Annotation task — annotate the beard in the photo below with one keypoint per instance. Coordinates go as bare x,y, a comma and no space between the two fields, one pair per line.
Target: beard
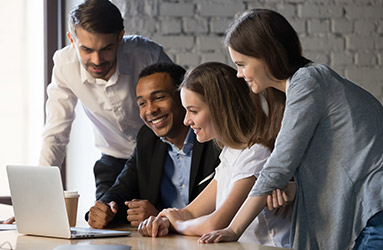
99,71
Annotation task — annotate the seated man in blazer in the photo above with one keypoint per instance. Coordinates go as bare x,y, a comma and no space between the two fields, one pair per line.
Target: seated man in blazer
168,167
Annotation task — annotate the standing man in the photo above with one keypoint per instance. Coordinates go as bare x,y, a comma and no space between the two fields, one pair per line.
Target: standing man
100,68
169,167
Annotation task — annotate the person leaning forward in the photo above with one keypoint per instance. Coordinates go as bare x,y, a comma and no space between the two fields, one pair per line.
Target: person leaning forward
100,68
168,167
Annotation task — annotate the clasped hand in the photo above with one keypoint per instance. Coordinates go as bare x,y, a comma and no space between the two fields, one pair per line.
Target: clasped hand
101,214
167,220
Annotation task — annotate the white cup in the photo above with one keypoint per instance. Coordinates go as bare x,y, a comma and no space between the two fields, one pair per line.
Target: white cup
71,201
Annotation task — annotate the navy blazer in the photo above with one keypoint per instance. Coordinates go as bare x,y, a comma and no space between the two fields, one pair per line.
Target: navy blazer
141,176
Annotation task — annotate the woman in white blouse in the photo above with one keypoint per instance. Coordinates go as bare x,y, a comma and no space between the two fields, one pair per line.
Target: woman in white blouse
220,106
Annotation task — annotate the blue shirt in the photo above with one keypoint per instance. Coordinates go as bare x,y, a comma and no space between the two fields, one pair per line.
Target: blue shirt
176,176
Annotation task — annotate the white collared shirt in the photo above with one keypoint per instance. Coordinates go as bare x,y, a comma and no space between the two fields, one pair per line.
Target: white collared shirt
110,105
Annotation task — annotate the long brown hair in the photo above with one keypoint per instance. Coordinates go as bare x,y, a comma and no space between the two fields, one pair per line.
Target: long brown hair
236,112
267,35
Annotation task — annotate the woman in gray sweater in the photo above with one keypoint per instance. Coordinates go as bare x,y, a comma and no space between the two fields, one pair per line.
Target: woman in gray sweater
330,141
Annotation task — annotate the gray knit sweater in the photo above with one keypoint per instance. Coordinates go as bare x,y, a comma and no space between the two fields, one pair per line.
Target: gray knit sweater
331,141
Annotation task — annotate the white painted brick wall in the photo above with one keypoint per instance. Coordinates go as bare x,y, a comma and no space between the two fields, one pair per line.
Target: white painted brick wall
379,44
346,34
299,26
218,25
311,10
178,43
210,9
172,26
342,58
190,59
355,42
218,57
364,27
176,9
194,25
318,26
342,26
380,25
323,44
208,43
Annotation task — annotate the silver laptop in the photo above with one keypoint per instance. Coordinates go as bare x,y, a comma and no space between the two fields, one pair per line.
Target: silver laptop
39,205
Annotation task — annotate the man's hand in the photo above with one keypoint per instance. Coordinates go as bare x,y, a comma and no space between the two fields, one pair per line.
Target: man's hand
102,213
139,210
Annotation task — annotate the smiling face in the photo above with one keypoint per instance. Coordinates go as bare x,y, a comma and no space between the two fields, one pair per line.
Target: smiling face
197,115
160,107
97,52
255,72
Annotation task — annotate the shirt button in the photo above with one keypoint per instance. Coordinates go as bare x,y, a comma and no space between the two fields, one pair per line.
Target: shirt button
183,186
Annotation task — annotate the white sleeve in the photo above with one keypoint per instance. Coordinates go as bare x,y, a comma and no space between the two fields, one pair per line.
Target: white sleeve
250,162
59,117
218,170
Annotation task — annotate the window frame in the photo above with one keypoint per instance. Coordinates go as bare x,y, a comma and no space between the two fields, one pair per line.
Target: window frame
54,39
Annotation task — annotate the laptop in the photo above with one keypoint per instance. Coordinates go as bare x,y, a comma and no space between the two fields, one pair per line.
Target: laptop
39,204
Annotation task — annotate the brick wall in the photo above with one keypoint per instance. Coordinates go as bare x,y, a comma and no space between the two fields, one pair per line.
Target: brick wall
345,34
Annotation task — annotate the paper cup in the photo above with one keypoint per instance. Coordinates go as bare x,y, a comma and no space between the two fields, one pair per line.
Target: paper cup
71,201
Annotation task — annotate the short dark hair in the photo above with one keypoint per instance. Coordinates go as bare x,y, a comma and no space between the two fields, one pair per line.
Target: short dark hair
175,71
96,16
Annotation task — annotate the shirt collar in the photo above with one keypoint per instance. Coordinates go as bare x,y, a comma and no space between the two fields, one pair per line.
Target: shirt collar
188,143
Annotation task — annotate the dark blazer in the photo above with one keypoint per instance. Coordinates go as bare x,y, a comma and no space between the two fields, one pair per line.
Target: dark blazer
141,176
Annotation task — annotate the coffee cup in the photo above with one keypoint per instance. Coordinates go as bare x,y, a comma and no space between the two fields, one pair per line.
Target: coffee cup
71,202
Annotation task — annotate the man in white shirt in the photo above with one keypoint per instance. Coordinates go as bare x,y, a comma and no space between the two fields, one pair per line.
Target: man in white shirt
100,68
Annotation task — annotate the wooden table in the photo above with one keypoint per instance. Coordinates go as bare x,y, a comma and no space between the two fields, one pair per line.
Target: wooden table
24,242
136,241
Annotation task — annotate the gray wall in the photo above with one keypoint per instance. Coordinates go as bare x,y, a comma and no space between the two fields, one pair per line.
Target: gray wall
345,34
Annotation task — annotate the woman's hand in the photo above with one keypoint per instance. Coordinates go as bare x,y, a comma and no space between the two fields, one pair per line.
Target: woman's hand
282,198
174,215
154,226
226,234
